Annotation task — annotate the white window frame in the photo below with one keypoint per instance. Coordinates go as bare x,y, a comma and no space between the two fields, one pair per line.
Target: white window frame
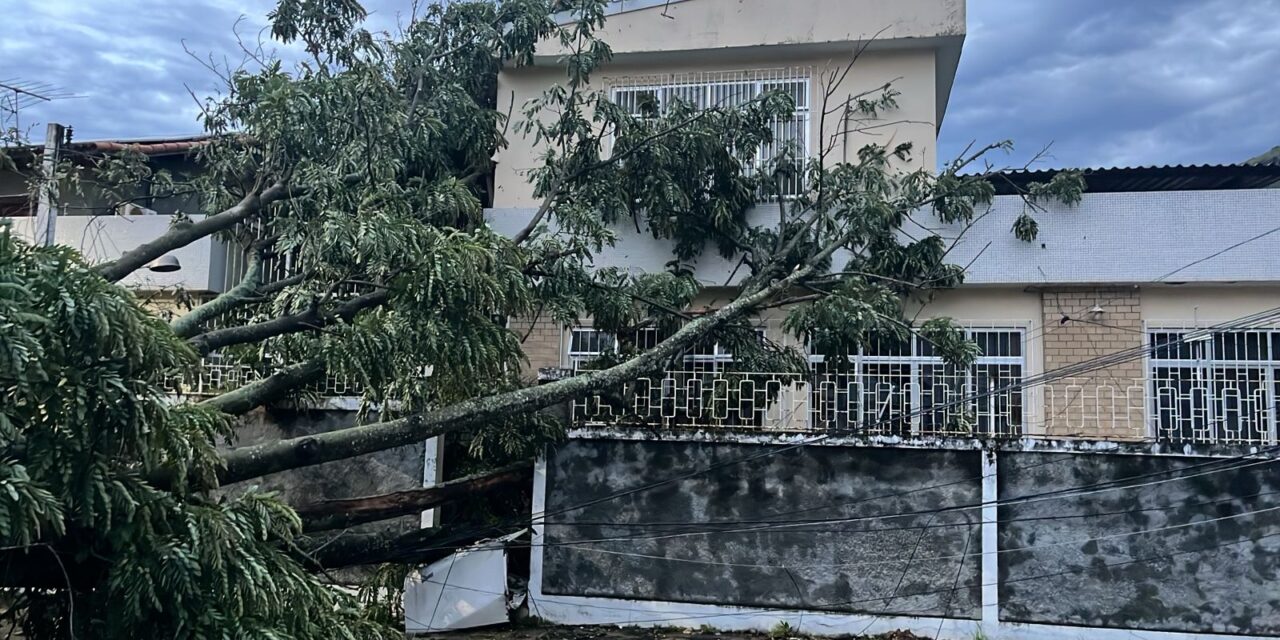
915,361
1203,366
758,80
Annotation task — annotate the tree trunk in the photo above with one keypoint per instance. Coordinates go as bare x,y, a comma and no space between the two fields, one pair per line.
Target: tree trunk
418,546
336,514
282,455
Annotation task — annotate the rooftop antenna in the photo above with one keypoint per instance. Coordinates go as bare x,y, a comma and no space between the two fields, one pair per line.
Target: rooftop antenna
17,94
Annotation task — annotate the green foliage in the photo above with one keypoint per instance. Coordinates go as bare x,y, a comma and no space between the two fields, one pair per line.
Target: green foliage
782,629
84,422
1066,187
1025,228
383,144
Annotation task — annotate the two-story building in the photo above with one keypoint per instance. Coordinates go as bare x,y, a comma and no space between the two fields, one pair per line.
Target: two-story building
1105,468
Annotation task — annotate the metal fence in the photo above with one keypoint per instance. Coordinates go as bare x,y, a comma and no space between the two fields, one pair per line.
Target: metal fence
889,400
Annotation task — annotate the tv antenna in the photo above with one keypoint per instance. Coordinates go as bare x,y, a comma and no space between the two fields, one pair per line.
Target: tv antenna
17,94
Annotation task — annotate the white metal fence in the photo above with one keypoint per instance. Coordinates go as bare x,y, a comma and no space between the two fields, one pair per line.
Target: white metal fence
892,402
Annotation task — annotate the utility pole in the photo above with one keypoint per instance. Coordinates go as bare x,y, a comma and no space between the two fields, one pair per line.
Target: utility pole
49,197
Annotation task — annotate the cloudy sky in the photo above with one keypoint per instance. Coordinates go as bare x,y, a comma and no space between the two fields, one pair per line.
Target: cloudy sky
1105,82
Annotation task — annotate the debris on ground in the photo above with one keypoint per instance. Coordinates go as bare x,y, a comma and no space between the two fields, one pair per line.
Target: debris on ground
605,632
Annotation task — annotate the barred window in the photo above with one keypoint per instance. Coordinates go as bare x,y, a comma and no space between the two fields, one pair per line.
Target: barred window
728,90
904,388
1214,387
587,344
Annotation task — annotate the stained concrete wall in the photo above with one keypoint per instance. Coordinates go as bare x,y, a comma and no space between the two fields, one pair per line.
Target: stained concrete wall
1136,542
372,474
1215,577
805,509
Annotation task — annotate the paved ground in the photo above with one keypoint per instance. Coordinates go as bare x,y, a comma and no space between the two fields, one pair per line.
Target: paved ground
616,633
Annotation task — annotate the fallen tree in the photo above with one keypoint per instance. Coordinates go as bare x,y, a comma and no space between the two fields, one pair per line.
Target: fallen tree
361,170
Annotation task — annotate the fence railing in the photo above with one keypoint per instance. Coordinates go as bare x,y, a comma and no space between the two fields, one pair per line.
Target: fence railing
964,404
215,378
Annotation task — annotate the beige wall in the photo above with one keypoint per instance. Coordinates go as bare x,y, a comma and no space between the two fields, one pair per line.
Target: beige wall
730,24
1105,404
1186,306
912,70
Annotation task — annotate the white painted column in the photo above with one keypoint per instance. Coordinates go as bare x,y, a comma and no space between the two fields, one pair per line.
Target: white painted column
538,534
990,574
432,475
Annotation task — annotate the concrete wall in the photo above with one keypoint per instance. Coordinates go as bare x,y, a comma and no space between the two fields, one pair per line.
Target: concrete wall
372,474
1214,577
1093,541
105,238
709,25
852,566
1190,306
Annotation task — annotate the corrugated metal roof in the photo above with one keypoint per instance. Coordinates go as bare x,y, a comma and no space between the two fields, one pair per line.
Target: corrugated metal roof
1200,177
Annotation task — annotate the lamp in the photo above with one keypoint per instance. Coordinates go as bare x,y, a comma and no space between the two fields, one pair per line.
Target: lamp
167,263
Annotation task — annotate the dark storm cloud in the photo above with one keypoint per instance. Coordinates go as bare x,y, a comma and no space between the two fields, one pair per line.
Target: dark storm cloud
1119,82
1108,82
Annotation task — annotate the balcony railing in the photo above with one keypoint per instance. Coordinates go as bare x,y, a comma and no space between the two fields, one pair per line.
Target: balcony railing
969,404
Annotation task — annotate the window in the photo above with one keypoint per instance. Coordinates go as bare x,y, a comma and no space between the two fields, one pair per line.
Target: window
586,344
732,90
904,388
1219,387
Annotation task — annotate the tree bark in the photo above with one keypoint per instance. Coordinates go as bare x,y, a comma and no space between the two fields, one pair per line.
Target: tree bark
336,514
417,546
188,325
298,322
282,455
273,387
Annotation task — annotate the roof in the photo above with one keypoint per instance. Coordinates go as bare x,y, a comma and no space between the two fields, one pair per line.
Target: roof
145,146
1166,178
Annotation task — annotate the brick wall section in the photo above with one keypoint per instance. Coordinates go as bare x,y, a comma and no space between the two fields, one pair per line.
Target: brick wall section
544,346
1105,403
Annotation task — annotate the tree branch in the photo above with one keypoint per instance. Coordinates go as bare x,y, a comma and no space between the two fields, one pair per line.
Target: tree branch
189,325
273,387
418,546
305,321
180,236
337,514
271,457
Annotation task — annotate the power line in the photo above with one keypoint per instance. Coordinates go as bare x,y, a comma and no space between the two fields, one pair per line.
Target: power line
955,588
1077,541
1071,492
1070,370
1234,463
940,525
1067,371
